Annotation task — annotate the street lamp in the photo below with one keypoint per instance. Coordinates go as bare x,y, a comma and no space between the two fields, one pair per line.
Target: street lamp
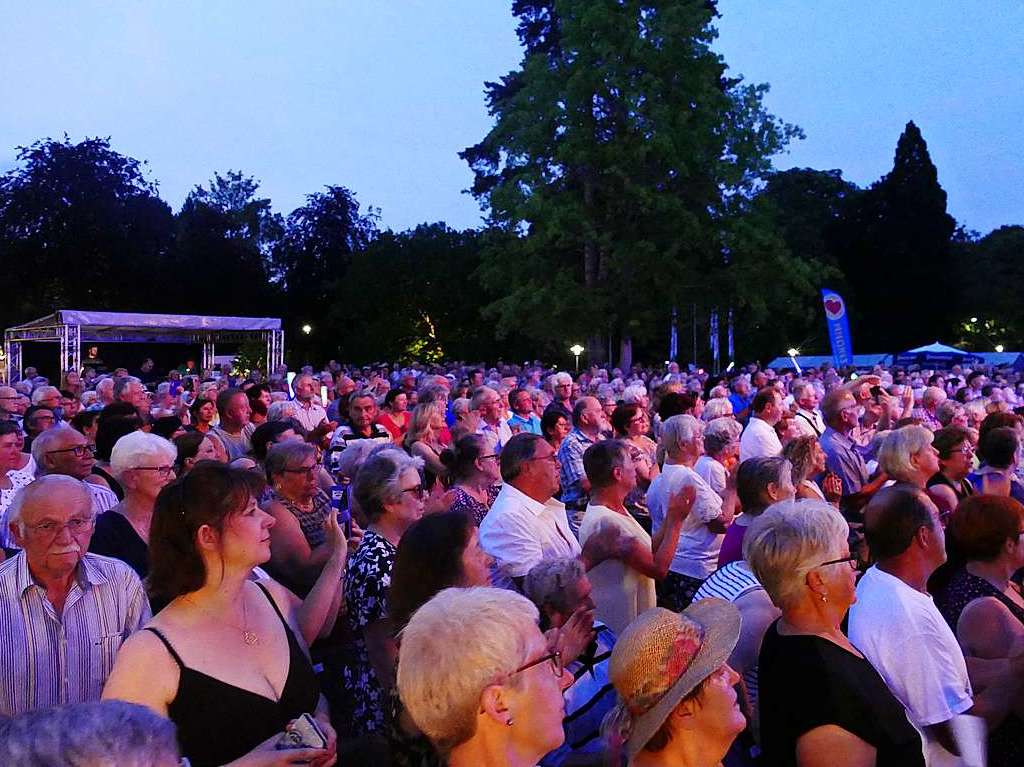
307,329
999,348
577,350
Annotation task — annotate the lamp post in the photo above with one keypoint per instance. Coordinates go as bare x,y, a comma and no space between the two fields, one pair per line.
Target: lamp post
577,350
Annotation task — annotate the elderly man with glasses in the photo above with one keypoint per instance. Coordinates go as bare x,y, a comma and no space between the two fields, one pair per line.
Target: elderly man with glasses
67,451
63,612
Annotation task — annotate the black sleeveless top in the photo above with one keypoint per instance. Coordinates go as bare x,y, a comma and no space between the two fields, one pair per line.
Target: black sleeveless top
218,722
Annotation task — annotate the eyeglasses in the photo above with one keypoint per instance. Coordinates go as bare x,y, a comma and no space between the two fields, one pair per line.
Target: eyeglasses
309,471
485,457
850,560
556,664
162,471
76,525
77,450
553,457
417,489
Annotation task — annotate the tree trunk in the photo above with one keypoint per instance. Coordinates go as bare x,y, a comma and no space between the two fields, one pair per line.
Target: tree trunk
626,354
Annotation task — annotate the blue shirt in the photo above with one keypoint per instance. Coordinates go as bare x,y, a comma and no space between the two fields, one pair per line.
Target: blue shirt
529,425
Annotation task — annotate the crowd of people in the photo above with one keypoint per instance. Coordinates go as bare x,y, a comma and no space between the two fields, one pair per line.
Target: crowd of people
458,565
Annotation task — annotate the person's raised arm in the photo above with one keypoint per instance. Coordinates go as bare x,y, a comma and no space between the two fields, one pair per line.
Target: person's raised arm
289,551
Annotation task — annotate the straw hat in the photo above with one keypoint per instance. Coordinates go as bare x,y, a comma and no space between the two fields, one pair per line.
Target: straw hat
662,656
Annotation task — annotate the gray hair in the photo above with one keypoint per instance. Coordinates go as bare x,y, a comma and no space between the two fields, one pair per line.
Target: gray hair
377,482
121,385
548,583
561,378
634,393
754,476
516,452
109,732
42,487
944,413
721,433
106,384
284,455
899,446
933,395
42,392
282,410
787,541
45,442
720,407
680,430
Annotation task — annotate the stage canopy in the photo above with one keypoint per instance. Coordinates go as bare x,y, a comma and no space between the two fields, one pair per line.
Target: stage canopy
71,328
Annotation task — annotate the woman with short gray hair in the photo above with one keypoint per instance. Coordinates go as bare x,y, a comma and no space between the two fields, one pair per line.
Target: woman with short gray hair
820,701
390,491
300,508
907,455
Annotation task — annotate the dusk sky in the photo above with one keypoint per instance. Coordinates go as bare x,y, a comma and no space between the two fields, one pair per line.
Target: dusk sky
380,97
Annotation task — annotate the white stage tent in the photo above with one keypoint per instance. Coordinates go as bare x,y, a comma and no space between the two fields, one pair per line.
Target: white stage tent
70,328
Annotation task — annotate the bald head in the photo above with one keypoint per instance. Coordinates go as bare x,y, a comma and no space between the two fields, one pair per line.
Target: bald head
54,492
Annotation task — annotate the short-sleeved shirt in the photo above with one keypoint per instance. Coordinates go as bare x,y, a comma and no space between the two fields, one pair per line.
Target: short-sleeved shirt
523,425
48,659
496,436
570,458
367,580
310,417
619,592
697,552
18,480
844,459
519,532
806,682
759,440
103,499
235,445
891,622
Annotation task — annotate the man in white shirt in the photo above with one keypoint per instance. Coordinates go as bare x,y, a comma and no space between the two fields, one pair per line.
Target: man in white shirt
527,524
309,413
897,626
487,402
759,438
808,420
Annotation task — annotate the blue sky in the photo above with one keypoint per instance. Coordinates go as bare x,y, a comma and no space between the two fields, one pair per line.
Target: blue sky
380,97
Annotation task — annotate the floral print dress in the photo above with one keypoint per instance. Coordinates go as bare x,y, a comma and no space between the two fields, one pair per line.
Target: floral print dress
367,580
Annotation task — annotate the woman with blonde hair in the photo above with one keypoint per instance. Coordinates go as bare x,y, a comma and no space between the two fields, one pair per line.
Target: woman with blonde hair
821,703
907,455
497,701
423,441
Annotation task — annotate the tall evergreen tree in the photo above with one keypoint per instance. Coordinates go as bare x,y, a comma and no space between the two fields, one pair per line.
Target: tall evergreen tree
620,147
898,255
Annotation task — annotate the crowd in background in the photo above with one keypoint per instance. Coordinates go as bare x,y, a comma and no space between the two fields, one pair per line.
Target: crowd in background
455,564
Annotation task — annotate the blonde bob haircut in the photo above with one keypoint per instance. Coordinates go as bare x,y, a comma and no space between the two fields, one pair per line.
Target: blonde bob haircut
441,688
899,446
787,541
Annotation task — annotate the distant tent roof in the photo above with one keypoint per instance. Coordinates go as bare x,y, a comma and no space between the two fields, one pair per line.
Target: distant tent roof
935,348
937,355
816,361
139,327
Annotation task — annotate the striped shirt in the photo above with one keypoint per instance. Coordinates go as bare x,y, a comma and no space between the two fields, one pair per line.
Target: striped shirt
587,699
731,582
50,659
103,499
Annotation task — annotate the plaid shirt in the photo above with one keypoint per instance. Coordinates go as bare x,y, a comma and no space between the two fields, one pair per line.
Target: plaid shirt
570,456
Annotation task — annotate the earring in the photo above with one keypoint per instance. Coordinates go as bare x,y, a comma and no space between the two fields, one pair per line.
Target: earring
824,598
509,722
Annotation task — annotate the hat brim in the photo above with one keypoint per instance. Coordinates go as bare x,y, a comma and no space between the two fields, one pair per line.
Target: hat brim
721,622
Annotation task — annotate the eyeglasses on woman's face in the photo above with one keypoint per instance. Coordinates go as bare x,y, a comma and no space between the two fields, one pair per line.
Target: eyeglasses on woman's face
556,664
850,560
308,471
416,490
161,471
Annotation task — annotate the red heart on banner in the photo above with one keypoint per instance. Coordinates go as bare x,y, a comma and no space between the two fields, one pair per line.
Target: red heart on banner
832,306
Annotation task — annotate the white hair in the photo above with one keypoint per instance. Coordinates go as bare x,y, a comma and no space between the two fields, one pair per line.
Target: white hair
41,393
634,394
440,689
93,733
140,448
680,430
561,378
720,407
899,446
788,540
43,486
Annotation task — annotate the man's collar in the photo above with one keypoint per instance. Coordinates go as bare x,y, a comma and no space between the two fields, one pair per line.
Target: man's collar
85,573
532,504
